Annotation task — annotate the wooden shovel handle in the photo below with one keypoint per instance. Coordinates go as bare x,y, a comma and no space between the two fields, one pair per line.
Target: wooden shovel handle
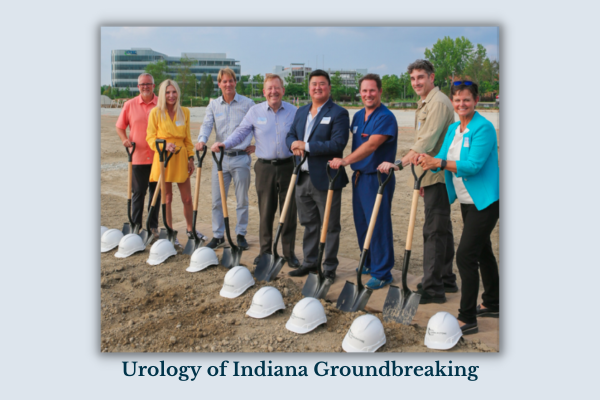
197,189
223,197
288,198
413,218
156,191
373,221
326,216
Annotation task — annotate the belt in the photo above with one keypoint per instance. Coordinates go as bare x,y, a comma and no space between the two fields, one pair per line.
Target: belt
279,161
235,153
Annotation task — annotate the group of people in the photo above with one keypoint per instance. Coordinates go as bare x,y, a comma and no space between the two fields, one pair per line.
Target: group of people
466,151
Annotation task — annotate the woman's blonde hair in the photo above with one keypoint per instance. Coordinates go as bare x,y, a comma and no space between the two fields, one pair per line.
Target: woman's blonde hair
162,100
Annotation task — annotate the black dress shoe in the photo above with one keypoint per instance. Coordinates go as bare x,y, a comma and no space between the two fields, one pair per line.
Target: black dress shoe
215,243
486,312
447,288
293,262
469,329
302,271
426,298
242,243
330,275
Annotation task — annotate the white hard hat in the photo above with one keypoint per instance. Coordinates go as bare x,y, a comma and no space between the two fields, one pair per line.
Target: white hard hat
265,302
306,316
102,230
202,258
110,239
160,251
129,244
366,335
443,331
237,280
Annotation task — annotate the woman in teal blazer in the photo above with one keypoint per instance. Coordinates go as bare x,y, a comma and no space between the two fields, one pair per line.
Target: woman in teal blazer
469,159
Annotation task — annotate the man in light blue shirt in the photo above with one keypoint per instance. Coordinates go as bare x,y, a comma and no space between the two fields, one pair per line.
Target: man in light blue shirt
225,114
269,122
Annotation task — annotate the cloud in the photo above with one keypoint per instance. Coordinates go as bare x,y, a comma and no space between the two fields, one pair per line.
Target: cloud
492,51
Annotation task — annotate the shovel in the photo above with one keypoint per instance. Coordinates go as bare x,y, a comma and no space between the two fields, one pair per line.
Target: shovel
269,265
129,227
401,304
195,242
355,297
317,285
231,255
144,234
166,232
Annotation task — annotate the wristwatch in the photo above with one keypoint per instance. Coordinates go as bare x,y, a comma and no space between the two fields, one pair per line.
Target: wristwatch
443,165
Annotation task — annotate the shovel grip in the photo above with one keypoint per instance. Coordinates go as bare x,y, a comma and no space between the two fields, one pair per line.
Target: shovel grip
288,197
161,152
201,158
219,161
223,196
412,219
382,184
332,179
130,152
297,166
417,179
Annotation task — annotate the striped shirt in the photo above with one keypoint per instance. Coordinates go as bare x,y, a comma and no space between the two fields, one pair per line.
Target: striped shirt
225,118
269,129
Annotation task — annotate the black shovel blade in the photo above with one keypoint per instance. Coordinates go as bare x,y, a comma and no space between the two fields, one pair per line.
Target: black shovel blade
315,287
126,229
277,265
144,235
163,233
236,255
227,258
400,306
192,245
325,285
264,267
351,299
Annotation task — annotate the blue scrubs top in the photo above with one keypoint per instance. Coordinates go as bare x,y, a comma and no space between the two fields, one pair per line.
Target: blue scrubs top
380,122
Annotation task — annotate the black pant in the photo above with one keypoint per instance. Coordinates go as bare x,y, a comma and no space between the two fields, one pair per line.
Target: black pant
438,241
139,185
475,253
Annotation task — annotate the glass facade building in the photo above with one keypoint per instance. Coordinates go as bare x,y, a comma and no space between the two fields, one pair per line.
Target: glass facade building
127,65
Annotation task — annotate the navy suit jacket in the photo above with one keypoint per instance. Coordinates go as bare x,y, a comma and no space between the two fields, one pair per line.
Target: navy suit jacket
326,141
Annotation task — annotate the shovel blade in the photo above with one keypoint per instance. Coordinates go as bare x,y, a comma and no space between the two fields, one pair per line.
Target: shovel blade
163,233
144,235
126,229
400,306
325,285
227,258
347,297
189,247
276,268
315,287
263,267
236,254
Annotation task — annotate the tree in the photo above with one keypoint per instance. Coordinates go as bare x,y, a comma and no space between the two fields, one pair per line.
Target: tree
391,87
159,72
337,86
291,87
258,80
208,86
185,78
449,57
107,90
240,87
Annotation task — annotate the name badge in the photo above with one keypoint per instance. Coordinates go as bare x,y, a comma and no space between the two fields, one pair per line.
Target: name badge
261,121
466,142
178,123
219,115
419,125
354,129
326,120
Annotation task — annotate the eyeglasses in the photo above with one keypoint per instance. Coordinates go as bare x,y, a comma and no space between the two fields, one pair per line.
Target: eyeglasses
145,84
466,83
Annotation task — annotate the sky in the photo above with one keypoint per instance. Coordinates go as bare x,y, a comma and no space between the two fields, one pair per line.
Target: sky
382,50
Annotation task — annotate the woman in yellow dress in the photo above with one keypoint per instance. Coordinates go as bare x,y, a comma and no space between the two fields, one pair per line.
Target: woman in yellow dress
171,122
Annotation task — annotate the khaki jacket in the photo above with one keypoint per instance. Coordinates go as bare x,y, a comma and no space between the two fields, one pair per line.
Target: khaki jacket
432,119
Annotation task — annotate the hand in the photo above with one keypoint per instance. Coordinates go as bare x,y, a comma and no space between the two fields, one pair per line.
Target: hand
337,163
428,162
190,166
298,145
416,158
422,192
200,146
216,147
126,143
250,149
385,167
170,147
298,152
407,159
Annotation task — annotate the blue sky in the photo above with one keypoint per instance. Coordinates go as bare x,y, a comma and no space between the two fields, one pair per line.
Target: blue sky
382,50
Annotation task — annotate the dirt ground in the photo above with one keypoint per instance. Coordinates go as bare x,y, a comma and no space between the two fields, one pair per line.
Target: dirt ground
163,308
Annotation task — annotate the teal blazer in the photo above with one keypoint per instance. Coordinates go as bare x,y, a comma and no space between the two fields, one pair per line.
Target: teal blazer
478,165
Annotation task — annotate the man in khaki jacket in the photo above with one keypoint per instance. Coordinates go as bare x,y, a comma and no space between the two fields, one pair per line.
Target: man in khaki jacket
433,117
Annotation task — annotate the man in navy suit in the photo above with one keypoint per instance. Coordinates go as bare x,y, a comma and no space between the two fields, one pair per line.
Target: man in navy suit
322,130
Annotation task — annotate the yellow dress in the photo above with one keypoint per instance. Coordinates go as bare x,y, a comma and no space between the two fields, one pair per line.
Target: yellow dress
172,131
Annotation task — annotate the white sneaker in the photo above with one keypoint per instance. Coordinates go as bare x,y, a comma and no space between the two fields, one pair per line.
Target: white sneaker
177,242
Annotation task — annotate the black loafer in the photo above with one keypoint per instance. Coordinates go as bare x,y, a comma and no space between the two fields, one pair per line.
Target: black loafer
469,329
487,313
302,271
293,262
329,275
242,243
447,288
426,298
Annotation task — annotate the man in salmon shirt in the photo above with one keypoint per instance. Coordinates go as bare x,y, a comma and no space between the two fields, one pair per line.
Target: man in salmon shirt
135,115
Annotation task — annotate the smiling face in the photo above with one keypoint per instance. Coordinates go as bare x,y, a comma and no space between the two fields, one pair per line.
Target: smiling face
146,86
370,94
273,91
421,82
171,95
227,85
319,89
464,103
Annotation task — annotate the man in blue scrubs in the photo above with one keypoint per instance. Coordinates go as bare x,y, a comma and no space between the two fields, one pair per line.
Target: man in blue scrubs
374,140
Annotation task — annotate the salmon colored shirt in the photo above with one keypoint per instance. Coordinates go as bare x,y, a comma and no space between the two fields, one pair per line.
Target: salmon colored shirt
135,115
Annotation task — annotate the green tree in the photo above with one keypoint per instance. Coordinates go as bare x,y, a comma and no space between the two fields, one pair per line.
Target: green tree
245,78
208,86
291,87
391,87
248,90
185,78
107,91
159,71
337,86
240,87
449,57
258,80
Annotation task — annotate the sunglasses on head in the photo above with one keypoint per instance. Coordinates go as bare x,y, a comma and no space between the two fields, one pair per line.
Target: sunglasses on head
466,83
